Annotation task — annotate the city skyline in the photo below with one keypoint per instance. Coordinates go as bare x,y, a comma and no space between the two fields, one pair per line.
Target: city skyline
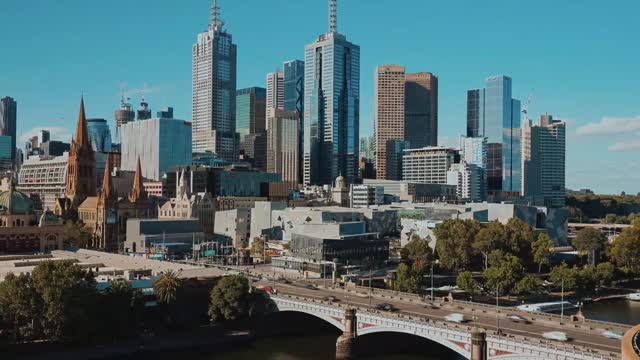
557,68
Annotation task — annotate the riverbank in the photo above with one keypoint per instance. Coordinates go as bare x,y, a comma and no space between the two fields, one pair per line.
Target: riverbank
147,347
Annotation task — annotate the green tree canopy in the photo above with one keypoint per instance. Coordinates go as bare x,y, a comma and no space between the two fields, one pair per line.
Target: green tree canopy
406,280
75,234
605,273
504,271
491,237
541,250
231,302
454,245
625,250
528,285
564,276
167,286
21,307
519,237
418,248
589,239
466,282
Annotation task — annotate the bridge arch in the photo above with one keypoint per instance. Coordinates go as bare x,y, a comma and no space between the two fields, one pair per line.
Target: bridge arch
335,322
458,348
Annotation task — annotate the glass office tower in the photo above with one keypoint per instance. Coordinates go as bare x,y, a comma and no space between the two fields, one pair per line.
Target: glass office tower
494,114
250,111
294,86
331,108
99,134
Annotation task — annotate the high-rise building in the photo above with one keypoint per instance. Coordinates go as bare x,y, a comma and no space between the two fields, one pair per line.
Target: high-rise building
99,134
160,144
421,109
144,112
8,115
6,162
282,146
394,152
543,158
253,149
494,114
473,150
275,92
368,147
331,106
214,90
44,177
294,101
294,86
45,135
166,113
389,112
428,165
123,115
469,181
250,111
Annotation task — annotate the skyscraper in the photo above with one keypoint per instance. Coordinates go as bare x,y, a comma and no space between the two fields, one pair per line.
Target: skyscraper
214,90
389,113
275,92
8,115
421,109
294,101
99,134
250,111
543,158
331,106
144,112
282,146
494,114
123,115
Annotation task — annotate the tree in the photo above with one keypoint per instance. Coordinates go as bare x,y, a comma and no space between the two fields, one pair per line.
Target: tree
541,250
519,237
166,287
589,239
565,277
75,234
418,248
504,271
406,280
69,300
610,219
21,307
230,300
491,237
528,285
605,272
625,250
466,282
455,237
121,306
257,248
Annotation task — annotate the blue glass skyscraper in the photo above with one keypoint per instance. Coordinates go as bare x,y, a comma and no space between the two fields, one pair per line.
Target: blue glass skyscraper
294,86
331,107
99,134
494,114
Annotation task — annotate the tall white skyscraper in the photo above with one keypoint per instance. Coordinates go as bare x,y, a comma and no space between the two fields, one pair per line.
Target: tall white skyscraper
214,90
331,106
275,93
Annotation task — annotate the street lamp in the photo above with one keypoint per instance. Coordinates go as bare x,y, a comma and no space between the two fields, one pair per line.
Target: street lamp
497,308
562,299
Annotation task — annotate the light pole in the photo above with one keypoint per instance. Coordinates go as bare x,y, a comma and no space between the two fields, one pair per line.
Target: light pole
562,300
370,274
497,308
431,282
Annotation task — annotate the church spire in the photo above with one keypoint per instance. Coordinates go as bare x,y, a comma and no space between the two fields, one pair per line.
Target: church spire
82,135
137,193
108,190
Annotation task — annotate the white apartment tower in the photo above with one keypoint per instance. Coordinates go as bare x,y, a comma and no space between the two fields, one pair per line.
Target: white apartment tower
214,90
275,93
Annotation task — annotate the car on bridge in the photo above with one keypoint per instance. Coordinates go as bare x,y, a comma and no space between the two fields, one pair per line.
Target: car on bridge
385,307
310,287
616,335
556,335
518,319
457,318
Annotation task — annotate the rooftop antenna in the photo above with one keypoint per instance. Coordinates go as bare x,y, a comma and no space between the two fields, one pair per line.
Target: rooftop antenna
215,16
333,16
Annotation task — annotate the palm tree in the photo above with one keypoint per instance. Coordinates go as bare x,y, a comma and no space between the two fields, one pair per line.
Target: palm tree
166,287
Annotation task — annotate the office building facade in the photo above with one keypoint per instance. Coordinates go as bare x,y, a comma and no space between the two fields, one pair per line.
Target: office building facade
294,86
282,146
389,116
394,152
275,92
99,134
427,165
165,113
469,181
214,91
160,144
494,114
544,160
45,177
8,116
421,109
331,108
250,111
363,196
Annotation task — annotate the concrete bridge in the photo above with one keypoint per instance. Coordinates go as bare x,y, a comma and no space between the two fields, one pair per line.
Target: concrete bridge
470,342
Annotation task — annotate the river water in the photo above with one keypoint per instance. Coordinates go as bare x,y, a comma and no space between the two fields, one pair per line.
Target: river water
618,311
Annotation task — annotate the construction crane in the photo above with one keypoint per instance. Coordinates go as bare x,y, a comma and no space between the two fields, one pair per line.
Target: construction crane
525,110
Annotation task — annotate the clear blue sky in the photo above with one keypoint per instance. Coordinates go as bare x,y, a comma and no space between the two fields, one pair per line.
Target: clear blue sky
581,57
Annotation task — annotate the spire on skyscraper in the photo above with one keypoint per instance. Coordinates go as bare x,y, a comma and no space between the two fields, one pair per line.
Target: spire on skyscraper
333,16
215,17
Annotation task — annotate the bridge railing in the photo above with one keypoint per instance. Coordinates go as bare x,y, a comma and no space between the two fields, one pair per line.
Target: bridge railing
507,341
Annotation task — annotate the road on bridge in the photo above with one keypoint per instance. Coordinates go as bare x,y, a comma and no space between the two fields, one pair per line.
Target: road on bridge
592,339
